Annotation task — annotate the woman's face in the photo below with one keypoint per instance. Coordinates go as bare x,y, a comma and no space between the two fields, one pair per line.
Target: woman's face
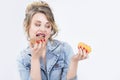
40,25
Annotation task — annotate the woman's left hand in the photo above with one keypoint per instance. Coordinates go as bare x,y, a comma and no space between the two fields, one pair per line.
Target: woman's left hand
82,54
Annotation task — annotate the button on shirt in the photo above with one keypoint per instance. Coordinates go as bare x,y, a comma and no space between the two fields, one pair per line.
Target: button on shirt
58,56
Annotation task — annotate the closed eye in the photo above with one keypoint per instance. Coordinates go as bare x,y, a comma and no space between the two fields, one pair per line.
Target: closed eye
48,25
37,24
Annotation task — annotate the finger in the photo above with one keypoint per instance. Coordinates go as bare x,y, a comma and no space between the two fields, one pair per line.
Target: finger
31,42
86,57
39,45
35,46
84,53
44,43
80,53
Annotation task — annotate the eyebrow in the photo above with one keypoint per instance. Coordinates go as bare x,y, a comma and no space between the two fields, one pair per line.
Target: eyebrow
37,21
47,22
40,22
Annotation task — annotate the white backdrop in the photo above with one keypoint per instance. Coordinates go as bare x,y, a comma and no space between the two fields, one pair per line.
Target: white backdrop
95,22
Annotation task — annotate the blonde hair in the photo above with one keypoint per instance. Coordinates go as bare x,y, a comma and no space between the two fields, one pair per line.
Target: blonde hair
42,7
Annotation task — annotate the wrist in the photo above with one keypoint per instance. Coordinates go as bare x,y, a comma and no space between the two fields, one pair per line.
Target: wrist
74,64
74,61
35,58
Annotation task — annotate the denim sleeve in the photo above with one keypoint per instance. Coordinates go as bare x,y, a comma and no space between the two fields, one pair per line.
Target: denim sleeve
68,53
22,68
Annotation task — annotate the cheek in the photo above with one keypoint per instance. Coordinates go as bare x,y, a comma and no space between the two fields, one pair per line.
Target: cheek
48,33
32,32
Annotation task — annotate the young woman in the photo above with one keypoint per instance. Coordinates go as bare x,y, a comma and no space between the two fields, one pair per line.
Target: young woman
46,58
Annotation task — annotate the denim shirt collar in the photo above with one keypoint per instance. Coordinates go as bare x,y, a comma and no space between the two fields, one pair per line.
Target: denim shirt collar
52,45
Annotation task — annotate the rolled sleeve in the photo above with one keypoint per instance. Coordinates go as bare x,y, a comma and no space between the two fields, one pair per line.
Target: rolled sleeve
22,68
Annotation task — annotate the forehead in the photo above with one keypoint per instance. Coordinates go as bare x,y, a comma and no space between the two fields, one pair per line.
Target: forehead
39,17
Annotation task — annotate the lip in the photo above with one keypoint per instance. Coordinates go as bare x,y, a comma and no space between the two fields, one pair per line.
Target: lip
40,35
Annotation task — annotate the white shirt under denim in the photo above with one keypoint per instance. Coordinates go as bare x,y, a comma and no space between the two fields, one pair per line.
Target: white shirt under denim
58,57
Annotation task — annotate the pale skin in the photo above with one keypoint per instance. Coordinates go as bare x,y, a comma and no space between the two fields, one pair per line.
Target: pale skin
40,24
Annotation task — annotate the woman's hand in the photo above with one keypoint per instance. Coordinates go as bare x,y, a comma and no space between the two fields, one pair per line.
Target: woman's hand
38,49
82,54
83,51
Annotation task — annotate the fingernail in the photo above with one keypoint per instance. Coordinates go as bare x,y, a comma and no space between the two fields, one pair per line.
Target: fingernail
44,40
41,40
79,47
86,51
84,48
37,42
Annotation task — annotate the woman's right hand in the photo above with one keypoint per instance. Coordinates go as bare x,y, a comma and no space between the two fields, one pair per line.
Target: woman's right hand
38,49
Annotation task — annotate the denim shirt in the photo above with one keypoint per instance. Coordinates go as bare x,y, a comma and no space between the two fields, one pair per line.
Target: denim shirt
58,55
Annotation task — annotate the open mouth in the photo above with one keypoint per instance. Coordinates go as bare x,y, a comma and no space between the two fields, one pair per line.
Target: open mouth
40,35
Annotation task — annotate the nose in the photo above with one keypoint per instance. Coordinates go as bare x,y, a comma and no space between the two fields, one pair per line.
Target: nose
42,28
